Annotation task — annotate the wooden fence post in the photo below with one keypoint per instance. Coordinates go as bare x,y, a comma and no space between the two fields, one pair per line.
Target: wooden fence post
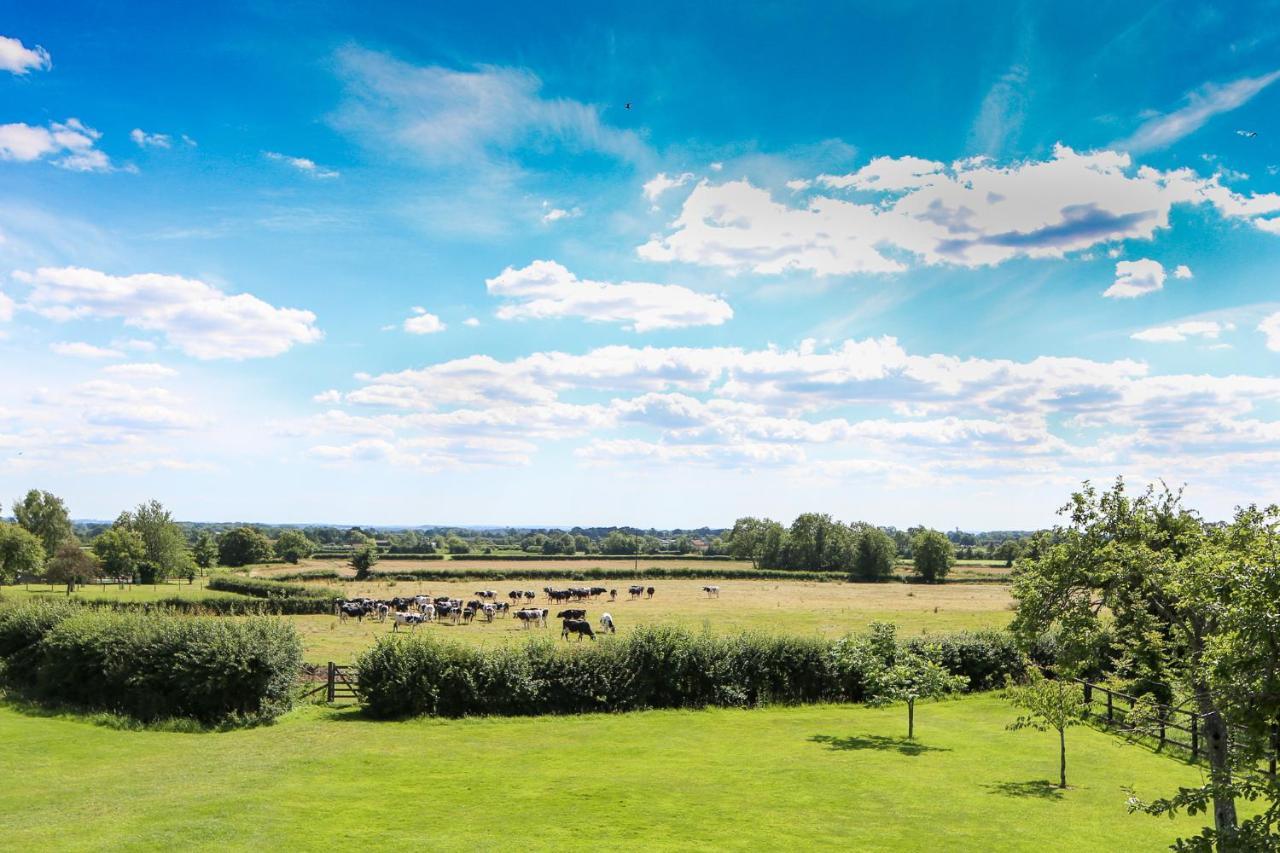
333,678
1160,717
1275,745
1110,707
1195,736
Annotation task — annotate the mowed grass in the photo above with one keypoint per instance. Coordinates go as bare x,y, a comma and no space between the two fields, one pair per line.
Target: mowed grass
113,592
830,777
827,609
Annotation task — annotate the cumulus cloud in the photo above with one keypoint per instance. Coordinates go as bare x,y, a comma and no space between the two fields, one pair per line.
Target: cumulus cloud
150,140
473,117
471,321
67,145
1179,332
1182,271
1136,278
1270,328
17,58
302,164
545,289
79,349
555,214
1201,105
140,370
423,323
896,212
6,308
330,396
196,318
657,185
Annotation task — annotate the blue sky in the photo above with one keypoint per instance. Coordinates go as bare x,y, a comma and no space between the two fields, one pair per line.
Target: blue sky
391,264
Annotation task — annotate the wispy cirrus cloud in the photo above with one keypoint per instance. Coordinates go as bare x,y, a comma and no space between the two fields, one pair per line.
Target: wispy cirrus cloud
1211,99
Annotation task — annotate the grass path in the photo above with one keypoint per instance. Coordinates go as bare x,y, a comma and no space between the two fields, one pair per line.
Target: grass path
833,777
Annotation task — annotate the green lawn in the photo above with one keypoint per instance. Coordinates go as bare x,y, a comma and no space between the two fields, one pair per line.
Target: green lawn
831,777
129,592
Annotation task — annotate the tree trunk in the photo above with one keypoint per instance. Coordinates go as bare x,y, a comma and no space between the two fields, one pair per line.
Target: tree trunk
911,719
1062,758
1216,744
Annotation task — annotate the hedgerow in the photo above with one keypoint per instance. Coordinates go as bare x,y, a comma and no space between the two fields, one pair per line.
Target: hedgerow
652,667
267,588
149,666
605,574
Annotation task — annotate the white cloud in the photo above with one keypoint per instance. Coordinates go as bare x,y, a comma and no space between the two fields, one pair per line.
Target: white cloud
79,349
197,318
1182,271
661,182
1179,332
17,58
140,370
1271,225
150,140
139,346
472,118
302,164
330,396
1270,327
1136,278
971,213
423,323
545,289
67,145
555,214
6,308
1203,104
471,321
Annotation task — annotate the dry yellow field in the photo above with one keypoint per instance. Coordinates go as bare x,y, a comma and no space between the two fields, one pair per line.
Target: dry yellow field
827,609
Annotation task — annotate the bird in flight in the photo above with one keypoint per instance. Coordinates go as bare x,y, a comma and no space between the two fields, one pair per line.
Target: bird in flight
1247,134
628,106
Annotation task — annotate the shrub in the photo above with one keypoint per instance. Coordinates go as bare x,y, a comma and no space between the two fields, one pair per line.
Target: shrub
22,627
265,588
605,574
652,667
156,666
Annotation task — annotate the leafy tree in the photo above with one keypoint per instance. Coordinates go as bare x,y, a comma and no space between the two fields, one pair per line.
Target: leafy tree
1050,705
293,545
120,551
1191,607
72,565
581,544
1007,551
617,542
914,675
363,560
650,545
165,545
873,554
933,555
455,544
21,552
45,515
242,546
205,552
760,540
683,545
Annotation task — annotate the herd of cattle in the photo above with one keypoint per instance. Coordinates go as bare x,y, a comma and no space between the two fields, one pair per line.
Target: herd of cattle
415,610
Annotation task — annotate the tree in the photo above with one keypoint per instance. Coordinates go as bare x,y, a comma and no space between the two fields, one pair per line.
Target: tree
165,545
873,554
759,540
581,544
205,551
1050,704
932,555
45,515
71,565
21,553
684,545
120,551
242,546
1191,607
455,544
293,545
363,560
914,674
617,542
1007,551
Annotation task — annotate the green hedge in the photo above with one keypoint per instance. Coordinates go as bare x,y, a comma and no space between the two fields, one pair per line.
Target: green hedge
652,667
606,574
524,558
986,657
266,588
346,555
149,666
213,606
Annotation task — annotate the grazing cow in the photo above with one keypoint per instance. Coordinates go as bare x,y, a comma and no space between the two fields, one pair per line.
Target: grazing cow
635,591
488,610
346,609
503,609
606,623
413,620
613,595
487,594
468,613
572,614
382,610
530,594
533,616
649,592
581,627
712,591
515,595
598,590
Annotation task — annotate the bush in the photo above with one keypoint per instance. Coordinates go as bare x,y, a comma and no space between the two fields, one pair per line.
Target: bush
652,667
265,588
154,666
22,627
603,574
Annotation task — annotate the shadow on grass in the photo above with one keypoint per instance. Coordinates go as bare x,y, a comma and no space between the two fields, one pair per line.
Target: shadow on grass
1040,789
901,745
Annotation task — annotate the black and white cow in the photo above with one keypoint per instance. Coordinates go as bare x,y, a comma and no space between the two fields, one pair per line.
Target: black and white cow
606,623
712,591
572,614
413,620
581,627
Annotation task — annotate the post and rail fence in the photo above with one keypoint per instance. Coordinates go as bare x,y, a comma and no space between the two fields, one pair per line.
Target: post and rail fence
335,682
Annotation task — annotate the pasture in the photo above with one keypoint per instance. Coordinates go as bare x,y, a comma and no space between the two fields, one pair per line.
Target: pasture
115,592
780,778
828,609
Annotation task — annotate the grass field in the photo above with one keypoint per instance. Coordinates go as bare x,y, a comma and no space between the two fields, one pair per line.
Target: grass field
139,592
835,777
829,609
